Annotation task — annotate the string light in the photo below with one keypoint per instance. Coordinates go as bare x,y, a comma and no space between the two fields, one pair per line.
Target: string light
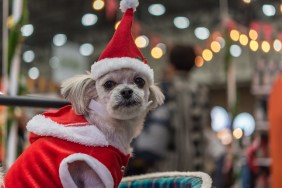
243,39
234,35
156,52
253,34
215,46
207,55
199,61
98,4
254,45
142,41
265,46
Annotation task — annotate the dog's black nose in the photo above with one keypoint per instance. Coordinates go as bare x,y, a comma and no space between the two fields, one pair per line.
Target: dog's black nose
126,93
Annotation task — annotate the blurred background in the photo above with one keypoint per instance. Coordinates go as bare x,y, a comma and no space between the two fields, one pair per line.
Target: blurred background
238,58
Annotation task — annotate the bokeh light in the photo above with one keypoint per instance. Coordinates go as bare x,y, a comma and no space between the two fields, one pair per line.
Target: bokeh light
98,4
246,122
243,39
156,52
235,50
33,73
277,45
207,55
215,46
142,41
199,61
265,46
254,45
156,9
234,35
238,133
253,34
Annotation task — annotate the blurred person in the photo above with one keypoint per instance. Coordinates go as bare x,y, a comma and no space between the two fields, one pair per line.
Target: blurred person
177,135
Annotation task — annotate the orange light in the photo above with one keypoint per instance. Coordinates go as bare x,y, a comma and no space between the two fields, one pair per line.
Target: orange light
215,46
253,34
199,61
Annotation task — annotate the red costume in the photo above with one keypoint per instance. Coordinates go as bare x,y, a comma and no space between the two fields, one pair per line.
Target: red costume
58,138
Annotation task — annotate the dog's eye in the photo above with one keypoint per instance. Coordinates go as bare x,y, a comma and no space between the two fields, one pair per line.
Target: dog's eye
109,84
139,82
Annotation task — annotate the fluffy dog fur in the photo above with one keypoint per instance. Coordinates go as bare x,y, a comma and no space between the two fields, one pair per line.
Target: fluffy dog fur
125,115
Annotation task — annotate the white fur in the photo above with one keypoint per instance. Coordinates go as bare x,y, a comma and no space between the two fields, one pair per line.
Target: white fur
88,135
103,178
127,4
106,65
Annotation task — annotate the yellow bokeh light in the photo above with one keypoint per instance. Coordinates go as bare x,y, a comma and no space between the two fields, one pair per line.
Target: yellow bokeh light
280,7
243,39
215,46
141,41
238,133
254,45
234,35
247,1
277,45
265,46
10,22
253,34
117,24
98,4
156,52
199,61
207,55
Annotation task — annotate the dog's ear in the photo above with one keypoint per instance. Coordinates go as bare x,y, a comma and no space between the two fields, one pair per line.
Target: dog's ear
156,96
79,90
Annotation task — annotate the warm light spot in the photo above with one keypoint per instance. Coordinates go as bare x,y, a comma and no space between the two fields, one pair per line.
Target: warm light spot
199,61
10,22
254,45
253,34
156,52
247,1
117,24
234,35
277,45
207,55
280,7
243,39
142,41
98,4
238,133
215,46
265,46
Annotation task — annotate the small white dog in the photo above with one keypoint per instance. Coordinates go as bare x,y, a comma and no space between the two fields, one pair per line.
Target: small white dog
114,107
87,144
127,98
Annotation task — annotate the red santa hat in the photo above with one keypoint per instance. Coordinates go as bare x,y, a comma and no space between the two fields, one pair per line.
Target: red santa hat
122,52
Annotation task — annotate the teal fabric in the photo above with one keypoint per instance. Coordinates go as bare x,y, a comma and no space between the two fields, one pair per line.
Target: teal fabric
164,182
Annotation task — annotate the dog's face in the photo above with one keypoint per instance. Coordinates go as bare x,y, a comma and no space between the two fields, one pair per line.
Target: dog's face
125,93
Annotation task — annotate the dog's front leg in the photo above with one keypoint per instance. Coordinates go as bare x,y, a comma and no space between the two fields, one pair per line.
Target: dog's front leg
84,176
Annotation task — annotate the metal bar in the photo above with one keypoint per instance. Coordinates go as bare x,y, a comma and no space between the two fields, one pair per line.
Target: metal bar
31,102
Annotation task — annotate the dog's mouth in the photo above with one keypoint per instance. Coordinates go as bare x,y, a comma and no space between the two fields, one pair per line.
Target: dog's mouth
127,104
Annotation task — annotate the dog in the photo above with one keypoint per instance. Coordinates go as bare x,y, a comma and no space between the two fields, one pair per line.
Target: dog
121,98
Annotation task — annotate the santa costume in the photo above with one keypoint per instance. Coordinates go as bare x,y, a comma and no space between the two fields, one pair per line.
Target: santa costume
61,137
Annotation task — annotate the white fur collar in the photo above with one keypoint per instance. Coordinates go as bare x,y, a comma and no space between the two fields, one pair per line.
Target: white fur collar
86,134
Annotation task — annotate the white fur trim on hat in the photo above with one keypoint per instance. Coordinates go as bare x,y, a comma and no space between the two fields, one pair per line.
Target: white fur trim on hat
88,135
127,4
106,65
206,179
103,174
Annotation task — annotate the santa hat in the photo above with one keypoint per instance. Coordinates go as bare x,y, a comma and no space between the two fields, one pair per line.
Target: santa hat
122,52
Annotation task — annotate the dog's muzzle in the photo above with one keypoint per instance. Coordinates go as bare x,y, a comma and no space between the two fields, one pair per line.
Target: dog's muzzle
126,93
